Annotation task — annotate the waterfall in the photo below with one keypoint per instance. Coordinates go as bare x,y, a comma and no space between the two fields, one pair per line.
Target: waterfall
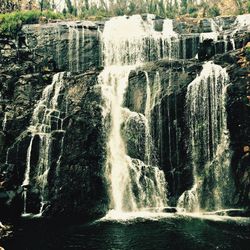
208,141
148,138
114,80
26,181
46,120
140,43
5,119
134,185
75,43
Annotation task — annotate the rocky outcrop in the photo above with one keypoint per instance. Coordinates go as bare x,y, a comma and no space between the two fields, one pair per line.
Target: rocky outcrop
24,75
76,183
78,176
238,109
68,46
77,153
168,83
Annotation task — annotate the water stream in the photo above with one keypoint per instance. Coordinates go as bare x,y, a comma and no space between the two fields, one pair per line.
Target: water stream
208,141
46,119
134,185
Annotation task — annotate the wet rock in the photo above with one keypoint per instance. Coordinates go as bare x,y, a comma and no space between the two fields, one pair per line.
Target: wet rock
170,210
231,212
136,94
168,89
133,131
206,25
2,141
72,46
206,50
79,177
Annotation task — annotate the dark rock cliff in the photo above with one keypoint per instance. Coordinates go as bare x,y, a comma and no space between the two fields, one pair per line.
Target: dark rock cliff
26,69
75,181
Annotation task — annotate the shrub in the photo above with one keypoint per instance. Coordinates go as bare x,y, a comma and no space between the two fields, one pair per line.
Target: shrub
192,9
213,11
247,52
94,13
11,23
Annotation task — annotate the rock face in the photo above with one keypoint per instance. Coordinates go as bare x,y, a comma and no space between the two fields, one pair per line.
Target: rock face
238,122
24,77
168,82
72,176
75,182
78,176
66,46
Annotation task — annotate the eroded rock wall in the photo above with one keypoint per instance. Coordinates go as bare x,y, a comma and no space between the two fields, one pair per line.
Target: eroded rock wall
76,183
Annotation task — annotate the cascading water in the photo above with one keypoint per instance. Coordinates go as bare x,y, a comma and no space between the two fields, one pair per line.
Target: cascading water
5,119
134,185
148,138
46,119
132,47
208,141
114,82
76,43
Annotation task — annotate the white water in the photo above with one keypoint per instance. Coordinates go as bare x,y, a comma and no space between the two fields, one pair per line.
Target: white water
131,217
189,200
133,185
213,34
75,43
26,181
45,120
243,21
24,201
132,47
5,119
114,81
209,141
148,138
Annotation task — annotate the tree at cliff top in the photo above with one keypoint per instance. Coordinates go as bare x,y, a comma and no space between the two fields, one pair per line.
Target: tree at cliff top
9,5
103,8
167,8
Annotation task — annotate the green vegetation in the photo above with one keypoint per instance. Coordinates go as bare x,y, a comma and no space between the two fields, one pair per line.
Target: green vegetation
96,13
247,52
213,11
11,23
193,11
157,7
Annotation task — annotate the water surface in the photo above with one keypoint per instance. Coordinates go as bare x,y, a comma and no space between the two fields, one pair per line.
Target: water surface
141,232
